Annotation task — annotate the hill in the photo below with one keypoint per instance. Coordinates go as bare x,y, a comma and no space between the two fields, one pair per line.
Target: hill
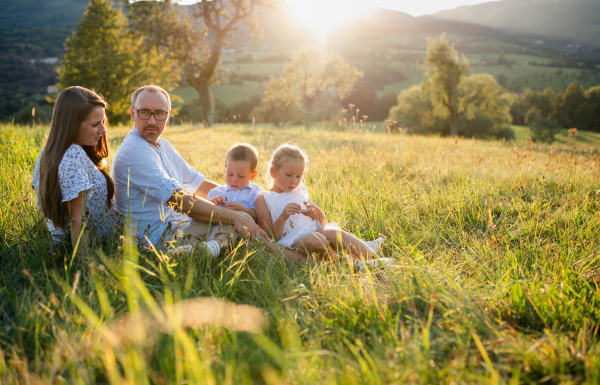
572,25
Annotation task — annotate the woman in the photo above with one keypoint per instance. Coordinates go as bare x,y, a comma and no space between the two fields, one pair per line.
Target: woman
70,176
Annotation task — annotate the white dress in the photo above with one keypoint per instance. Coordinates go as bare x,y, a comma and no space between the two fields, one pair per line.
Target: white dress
298,225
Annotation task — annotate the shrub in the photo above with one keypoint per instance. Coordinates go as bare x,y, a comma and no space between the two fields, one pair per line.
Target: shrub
542,127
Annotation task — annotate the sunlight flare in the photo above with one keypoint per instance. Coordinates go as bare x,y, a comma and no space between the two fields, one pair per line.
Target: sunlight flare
324,15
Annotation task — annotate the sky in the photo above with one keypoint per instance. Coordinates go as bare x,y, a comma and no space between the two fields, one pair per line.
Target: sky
422,7
325,15
412,7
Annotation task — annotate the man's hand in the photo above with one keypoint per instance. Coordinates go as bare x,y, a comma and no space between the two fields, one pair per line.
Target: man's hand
218,200
248,228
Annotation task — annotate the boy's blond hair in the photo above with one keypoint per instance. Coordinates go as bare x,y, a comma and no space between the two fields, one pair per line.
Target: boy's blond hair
245,152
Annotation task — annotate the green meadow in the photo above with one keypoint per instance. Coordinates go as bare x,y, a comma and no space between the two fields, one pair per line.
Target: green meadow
496,279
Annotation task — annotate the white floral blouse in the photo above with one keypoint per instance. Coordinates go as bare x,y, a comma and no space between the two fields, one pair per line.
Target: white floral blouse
77,173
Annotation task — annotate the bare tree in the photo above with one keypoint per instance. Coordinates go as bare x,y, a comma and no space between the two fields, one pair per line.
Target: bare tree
196,36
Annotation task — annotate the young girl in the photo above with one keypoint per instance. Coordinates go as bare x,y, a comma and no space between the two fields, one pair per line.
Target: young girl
294,221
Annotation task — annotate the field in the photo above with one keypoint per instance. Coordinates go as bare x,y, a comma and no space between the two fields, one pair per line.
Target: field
496,246
519,75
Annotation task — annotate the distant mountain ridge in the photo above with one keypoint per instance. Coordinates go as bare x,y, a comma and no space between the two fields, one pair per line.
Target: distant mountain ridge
572,22
30,14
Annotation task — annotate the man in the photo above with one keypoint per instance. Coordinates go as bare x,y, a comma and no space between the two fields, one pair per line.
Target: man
160,195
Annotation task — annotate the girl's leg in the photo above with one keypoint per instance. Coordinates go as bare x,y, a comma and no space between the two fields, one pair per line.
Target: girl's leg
316,243
357,247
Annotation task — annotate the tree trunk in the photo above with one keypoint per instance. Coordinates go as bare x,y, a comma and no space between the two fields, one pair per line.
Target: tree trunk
453,122
207,101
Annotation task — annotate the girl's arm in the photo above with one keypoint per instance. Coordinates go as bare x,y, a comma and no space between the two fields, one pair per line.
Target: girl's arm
74,210
289,210
263,216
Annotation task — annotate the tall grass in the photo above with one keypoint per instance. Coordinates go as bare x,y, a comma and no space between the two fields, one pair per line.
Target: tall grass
498,264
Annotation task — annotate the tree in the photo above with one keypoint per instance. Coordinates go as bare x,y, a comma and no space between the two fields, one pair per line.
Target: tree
443,73
415,113
590,110
483,104
196,46
544,128
482,94
104,56
311,81
569,106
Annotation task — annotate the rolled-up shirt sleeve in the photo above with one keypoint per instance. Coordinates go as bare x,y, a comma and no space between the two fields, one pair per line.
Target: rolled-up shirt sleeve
145,172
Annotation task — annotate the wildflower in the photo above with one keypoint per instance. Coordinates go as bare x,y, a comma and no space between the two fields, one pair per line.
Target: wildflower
147,246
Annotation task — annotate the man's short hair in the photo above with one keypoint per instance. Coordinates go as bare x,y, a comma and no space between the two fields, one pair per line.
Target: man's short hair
150,88
243,151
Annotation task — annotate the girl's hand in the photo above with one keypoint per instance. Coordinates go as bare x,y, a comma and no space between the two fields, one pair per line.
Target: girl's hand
313,211
290,209
218,200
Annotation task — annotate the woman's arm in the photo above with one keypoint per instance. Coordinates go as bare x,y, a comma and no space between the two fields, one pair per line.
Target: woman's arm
74,210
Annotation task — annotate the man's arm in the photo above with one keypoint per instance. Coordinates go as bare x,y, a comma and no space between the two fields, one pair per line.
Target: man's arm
205,187
204,211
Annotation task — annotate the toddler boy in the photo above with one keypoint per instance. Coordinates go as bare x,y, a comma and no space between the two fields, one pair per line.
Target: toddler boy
238,193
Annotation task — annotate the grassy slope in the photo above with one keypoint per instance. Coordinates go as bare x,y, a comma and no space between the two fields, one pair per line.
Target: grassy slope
482,294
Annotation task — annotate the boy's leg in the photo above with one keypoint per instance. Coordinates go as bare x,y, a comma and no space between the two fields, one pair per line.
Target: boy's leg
226,234
358,248
196,232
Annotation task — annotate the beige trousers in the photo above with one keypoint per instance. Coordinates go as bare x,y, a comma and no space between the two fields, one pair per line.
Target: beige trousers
198,231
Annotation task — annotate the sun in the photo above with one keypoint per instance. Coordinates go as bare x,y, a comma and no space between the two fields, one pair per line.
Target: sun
324,15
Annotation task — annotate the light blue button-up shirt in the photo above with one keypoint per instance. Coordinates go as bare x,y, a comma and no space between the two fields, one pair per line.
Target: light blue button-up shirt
246,196
145,177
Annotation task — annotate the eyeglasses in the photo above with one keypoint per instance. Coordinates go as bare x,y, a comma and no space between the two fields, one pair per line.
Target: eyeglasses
146,114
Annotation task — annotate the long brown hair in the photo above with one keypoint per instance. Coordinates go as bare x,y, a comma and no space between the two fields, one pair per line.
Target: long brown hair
72,107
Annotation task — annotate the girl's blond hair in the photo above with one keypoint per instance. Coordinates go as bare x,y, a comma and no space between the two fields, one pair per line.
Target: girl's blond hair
285,152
